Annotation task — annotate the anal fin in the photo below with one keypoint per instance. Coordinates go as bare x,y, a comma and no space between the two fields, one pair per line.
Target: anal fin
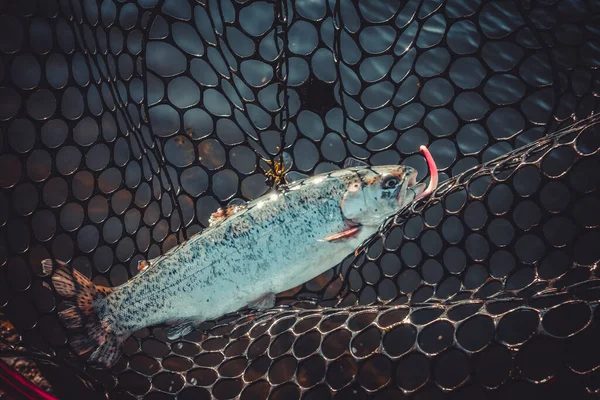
181,327
263,302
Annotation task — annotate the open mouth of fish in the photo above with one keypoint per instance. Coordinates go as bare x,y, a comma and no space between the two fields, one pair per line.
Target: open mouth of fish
414,190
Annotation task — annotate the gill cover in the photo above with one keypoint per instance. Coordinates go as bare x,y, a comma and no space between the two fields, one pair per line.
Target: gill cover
354,202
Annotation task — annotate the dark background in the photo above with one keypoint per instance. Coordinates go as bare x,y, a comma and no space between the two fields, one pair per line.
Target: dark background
126,124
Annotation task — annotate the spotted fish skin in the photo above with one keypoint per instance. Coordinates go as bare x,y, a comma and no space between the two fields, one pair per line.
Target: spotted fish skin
268,246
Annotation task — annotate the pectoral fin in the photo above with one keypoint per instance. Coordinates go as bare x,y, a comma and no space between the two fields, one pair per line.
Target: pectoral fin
347,233
263,302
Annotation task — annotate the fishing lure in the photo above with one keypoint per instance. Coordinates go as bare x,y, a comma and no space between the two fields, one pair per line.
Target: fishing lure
249,253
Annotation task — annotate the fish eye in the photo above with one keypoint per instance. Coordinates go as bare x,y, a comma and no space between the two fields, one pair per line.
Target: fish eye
390,182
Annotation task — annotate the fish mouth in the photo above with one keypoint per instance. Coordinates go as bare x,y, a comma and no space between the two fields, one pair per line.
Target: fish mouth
416,191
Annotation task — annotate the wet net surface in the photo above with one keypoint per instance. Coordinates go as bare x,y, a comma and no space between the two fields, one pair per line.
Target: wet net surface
126,124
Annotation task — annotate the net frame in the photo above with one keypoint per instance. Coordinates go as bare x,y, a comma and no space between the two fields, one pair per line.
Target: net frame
148,146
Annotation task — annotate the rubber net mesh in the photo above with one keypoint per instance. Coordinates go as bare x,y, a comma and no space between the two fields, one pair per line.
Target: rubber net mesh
125,124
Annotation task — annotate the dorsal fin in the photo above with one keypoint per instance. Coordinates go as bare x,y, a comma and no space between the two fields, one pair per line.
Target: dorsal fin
223,213
142,265
354,162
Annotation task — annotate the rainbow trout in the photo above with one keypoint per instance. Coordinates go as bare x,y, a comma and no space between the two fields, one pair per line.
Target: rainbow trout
247,255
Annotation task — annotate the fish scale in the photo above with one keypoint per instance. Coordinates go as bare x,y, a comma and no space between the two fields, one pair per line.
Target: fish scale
248,254
259,251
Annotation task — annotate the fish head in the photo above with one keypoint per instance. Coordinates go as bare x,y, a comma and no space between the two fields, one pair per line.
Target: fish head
376,193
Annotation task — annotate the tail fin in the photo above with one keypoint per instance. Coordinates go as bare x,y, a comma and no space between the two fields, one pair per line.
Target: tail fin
86,312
